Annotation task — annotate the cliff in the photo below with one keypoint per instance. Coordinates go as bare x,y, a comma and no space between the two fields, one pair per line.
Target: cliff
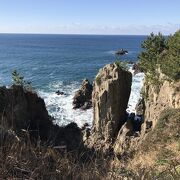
110,97
116,134
165,94
23,111
159,137
155,147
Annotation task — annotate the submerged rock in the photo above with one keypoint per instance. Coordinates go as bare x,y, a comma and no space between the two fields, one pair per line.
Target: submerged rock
60,93
83,96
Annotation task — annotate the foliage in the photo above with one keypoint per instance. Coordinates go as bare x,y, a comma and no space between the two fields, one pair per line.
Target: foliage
121,65
162,52
170,59
19,80
153,46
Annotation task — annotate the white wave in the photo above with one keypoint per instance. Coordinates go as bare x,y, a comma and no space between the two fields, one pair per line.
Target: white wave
110,52
137,83
61,108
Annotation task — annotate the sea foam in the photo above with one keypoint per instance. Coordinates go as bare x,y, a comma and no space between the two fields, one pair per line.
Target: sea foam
61,108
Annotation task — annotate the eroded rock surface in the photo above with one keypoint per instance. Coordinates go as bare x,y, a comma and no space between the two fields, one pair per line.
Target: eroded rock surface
110,97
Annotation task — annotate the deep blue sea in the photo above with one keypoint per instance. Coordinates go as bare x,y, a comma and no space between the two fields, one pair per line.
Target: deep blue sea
61,62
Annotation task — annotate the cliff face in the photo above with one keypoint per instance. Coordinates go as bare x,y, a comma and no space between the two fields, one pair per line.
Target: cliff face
110,97
22,110
156,100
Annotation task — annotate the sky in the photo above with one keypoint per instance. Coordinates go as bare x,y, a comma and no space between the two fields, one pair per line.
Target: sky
133,17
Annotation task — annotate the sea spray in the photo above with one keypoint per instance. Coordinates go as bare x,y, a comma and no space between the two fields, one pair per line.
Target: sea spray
61,108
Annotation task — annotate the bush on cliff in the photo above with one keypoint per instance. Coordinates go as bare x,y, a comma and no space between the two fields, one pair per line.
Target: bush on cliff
153,46
162,52
122,65
18,80
170,59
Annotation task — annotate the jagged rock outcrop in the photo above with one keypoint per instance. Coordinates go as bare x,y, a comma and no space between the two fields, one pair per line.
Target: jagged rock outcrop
83,96
111,93
23,111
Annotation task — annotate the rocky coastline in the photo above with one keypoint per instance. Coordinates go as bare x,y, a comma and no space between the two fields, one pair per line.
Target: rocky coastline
141,145
114,134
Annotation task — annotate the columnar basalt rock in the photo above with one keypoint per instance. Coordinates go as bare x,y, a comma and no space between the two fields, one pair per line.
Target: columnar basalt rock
111,92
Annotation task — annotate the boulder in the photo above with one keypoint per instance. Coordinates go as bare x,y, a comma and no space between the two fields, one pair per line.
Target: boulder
111,92
83,96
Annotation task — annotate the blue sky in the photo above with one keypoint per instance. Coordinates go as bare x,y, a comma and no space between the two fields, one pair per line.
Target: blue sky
89,16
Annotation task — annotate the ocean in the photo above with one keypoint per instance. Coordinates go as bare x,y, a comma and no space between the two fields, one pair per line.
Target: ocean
61,62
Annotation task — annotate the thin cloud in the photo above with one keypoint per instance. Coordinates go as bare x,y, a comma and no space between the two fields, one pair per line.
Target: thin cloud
78,28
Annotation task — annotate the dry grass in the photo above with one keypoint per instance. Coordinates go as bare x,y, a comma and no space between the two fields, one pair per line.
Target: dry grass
159,154
23,160
157,158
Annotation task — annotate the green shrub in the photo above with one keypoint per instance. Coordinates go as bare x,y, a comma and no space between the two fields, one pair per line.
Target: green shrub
121,65
19,80
153,46
162,52
170,59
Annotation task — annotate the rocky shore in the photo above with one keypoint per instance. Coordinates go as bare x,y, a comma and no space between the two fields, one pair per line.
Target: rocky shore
116,139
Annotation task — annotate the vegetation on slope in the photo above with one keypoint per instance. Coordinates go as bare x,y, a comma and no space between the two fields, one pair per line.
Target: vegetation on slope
171,57
162,52
159,153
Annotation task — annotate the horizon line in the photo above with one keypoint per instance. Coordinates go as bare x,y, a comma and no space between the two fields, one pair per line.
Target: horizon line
88,34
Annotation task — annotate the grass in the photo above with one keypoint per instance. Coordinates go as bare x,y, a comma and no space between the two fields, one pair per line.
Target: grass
159,153
25,160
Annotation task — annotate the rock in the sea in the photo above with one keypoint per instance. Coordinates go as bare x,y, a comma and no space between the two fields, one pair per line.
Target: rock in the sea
83,96
111,92
60,93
